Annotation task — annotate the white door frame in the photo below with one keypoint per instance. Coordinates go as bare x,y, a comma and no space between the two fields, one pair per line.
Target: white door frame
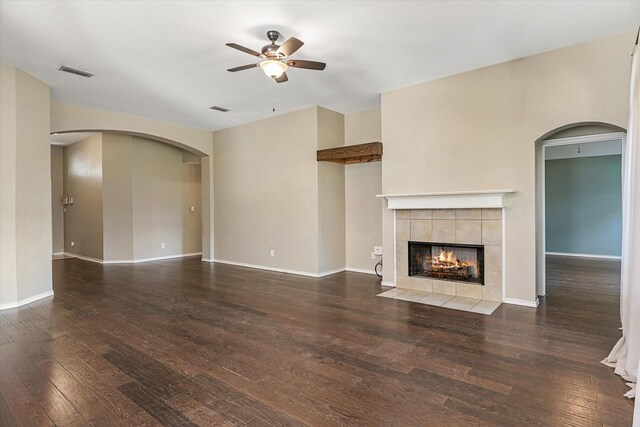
541,248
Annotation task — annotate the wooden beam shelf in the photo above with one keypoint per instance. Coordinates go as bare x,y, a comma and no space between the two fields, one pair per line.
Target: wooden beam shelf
361,153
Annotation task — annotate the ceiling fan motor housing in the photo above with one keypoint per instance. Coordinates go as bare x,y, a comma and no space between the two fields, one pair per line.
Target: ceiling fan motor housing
270,50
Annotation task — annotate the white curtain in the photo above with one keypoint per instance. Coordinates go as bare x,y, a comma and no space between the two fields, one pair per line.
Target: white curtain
625,356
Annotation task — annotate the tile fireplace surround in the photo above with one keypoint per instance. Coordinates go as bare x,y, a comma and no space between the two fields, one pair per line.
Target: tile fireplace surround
473,226
468,218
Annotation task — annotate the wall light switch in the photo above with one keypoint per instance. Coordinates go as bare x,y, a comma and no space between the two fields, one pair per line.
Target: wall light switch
73,244
162,245
273,252
373,255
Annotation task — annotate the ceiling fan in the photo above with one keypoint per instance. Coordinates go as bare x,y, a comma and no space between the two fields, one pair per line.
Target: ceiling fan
274,56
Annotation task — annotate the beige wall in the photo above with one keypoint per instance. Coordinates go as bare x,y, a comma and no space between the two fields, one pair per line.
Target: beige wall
157,199
363,182
117,196
57,191
331,201
477,131
67,117
191,196
25,179
83,181
266,179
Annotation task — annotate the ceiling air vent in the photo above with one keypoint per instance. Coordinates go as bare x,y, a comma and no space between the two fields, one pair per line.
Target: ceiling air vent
75,71
215,107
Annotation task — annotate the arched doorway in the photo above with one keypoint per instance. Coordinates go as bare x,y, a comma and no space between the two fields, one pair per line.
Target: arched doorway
580,139
133,187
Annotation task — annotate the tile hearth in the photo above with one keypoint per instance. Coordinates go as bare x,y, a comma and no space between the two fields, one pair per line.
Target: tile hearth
441,300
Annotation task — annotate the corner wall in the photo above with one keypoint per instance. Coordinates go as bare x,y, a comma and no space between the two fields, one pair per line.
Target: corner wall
157,199
83,220
57,191
363,181
25,179
331,200
117,195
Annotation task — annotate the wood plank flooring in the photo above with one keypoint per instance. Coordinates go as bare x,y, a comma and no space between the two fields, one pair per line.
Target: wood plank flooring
183,343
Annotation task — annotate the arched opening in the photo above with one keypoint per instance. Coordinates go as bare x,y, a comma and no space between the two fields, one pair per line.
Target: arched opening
576,156
125,197
164,140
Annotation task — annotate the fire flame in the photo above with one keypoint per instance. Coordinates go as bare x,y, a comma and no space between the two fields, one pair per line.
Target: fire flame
447,260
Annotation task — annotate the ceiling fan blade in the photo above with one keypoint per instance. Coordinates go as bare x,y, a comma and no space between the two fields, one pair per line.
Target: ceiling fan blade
290,46
283,78
244,49
243,67
309,65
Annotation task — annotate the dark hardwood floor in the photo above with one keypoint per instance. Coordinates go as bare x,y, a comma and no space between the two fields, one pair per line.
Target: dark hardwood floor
184,343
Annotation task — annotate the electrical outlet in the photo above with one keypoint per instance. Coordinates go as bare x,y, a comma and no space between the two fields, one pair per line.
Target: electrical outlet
73,244
377,250
273,252
162,245
373,255
193,208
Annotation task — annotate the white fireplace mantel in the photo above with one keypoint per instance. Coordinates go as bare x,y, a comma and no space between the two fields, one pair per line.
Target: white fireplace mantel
448,200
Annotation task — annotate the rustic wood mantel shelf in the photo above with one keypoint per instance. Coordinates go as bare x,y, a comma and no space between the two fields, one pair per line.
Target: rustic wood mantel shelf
361,153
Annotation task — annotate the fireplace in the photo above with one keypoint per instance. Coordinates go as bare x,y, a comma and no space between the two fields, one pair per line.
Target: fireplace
447,261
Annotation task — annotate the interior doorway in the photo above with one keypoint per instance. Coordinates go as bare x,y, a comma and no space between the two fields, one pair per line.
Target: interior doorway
579,202
123,198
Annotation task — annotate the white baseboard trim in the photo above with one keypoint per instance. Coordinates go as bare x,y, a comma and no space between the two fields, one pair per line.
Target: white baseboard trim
583,255
330,272
158,258
131,261
26,301
361,270
388,284
82,257
207,260
264,267
278,270
522,302
57,254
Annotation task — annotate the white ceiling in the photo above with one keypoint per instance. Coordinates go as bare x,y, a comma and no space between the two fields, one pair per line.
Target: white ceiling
168,60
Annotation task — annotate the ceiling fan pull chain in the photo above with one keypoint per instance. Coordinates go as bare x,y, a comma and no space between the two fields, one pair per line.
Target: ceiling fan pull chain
274,100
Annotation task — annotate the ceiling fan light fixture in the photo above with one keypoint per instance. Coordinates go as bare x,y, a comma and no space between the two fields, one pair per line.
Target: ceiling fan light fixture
273,68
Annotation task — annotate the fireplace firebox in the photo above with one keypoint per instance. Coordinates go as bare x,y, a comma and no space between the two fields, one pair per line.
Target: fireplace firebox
447,261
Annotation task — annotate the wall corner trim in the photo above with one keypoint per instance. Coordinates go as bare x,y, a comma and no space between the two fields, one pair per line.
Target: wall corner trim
360,270
522,302
26,300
